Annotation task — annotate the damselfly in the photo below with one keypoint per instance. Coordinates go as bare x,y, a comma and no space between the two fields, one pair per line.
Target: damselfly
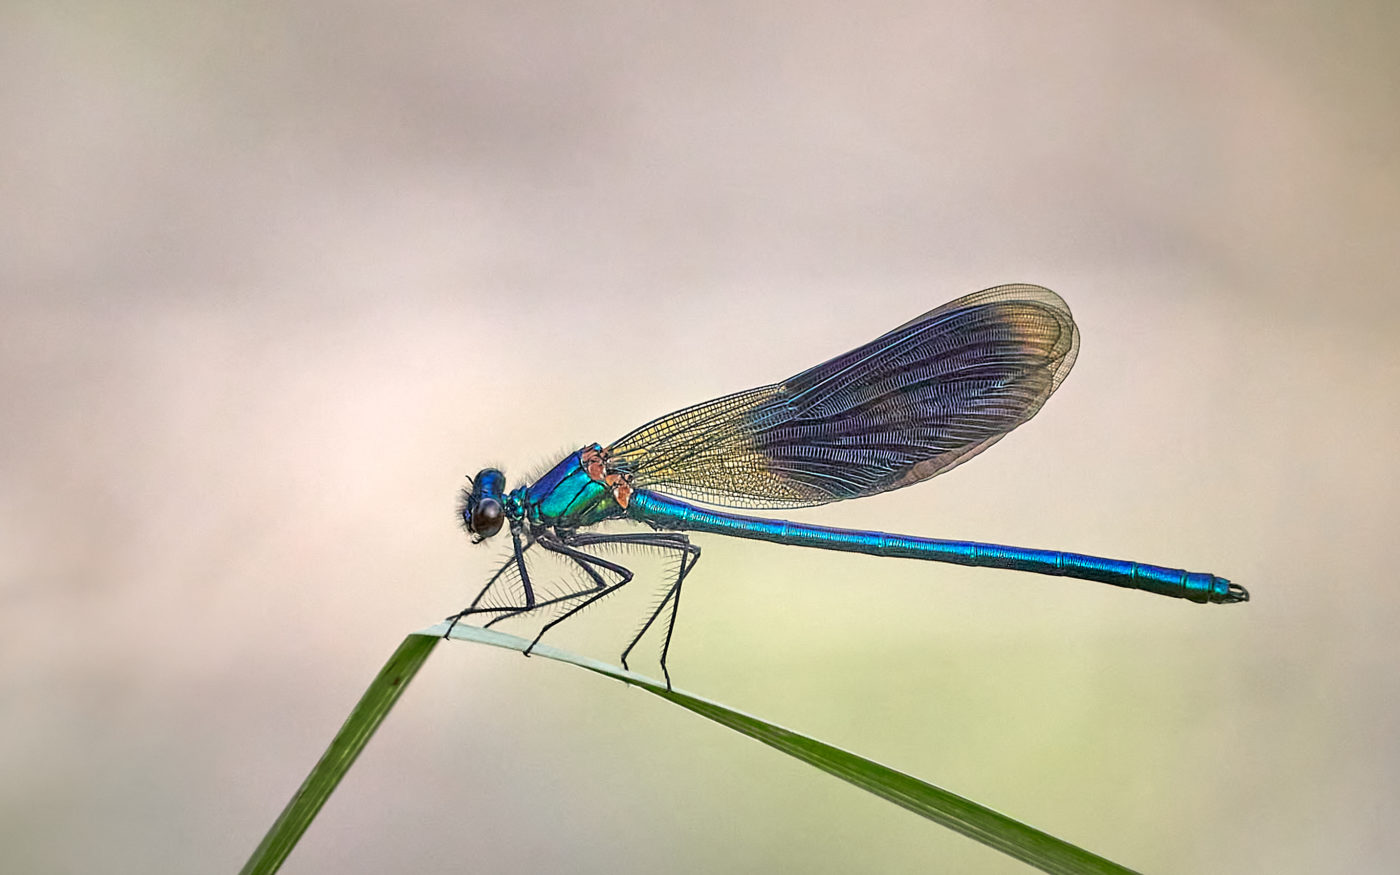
910,404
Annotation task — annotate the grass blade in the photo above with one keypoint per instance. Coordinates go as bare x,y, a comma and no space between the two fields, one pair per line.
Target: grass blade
371,710
978,822
975,821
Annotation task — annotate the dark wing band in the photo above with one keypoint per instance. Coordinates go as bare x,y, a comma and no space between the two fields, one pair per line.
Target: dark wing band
910,404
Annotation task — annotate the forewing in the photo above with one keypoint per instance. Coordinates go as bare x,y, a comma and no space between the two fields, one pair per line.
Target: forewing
910,404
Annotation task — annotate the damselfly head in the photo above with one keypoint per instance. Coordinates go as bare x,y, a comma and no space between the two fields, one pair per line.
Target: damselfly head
482,510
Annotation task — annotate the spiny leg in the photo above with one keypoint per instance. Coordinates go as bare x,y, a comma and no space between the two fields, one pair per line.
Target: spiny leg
598,584
518,561
694,553
690,554
515,560
585,561
524,572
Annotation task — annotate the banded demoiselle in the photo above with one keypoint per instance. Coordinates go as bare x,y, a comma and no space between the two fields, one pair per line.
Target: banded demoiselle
912,403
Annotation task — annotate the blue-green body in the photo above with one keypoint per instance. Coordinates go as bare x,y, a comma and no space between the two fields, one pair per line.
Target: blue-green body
568,498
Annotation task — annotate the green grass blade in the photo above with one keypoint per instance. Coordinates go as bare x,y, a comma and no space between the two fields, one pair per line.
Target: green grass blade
978,822
373,707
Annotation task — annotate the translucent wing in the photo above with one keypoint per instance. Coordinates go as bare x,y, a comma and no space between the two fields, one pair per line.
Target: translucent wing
910,404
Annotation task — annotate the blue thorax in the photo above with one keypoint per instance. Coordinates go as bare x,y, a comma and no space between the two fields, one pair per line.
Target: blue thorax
565,496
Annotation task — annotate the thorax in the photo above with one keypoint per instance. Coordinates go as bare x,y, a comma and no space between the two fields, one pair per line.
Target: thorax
569,494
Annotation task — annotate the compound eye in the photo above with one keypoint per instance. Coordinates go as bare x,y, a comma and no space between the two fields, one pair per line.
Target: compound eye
487,517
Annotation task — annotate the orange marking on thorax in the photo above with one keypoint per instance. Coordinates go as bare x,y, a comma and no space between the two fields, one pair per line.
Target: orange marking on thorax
594,463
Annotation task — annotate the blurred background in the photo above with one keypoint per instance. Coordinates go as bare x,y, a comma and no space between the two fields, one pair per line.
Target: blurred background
275,277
